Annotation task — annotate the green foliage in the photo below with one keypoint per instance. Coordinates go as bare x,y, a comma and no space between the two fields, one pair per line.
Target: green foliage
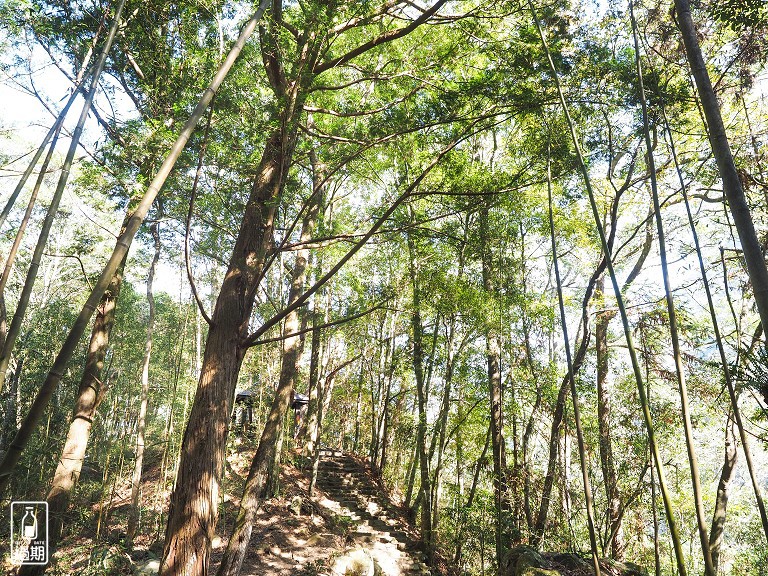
373,124
740,14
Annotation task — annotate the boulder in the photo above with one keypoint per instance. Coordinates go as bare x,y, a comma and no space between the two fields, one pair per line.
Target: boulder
624,568
526,561
295,505
569,561
355,563
147,567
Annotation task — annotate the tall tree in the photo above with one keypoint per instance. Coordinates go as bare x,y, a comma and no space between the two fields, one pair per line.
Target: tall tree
417,329
721,149
193,512
141,425
493,356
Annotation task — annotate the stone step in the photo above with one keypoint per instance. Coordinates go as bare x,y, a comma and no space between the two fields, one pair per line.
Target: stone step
327,453
375,521
346,483
367,495
363,536
336,471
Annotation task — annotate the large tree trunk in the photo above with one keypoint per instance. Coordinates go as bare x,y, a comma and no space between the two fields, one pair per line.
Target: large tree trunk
90,395
133,516
193,511
732,187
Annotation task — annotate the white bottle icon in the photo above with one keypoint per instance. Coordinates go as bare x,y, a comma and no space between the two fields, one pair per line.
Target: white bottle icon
29,524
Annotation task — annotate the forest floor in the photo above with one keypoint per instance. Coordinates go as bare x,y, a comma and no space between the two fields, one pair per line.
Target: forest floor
293,534
349,526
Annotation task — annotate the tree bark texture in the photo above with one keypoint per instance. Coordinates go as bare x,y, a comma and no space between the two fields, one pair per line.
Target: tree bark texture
721,501
193,512
193,509
493,354
421,394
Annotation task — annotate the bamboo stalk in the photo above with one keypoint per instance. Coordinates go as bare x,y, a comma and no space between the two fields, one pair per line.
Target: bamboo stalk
121,249
743,436
709,569
571,378
647,418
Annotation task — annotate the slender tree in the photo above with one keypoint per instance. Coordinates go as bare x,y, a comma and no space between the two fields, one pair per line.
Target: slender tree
135,511
727,376
493,353
90,394
574,393
709,569
417,328
721,149
679,556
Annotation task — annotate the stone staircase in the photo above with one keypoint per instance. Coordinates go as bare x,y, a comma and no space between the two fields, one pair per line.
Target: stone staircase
380,542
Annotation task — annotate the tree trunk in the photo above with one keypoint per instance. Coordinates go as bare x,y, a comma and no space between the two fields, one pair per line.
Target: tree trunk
326,393
134,513
438,438
470,499
193,511
557,417
606,247
673,329
90,395
314,371
718,339
574,398
8,266
421,432
358,411
613,499
411,478
11,405
732,187
293,345
492,353
721,502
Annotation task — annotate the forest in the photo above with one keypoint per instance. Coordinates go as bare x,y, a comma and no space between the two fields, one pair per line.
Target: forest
499,262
